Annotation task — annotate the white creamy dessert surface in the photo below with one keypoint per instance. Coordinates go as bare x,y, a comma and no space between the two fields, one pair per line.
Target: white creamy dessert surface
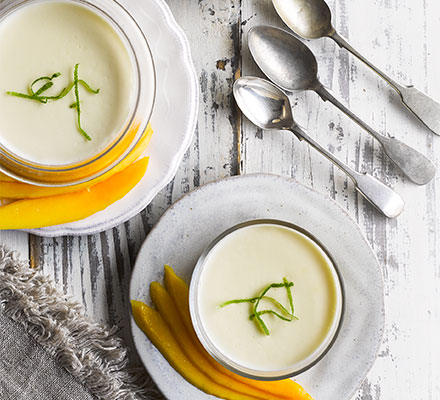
48,37
240,266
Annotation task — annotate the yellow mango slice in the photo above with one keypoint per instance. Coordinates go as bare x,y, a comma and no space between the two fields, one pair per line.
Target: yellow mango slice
167,309
6,178
12,189
64,208
152,323
179,292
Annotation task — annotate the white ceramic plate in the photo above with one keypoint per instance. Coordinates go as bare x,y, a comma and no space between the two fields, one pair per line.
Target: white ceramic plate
193,222
177,95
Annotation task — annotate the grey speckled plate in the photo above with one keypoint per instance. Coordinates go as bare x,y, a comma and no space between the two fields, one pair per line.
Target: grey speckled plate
195,220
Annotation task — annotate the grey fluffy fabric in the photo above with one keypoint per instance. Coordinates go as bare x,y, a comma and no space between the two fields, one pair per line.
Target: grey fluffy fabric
89,352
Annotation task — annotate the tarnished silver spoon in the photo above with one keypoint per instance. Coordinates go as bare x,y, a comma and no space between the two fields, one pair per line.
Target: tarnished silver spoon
311,19
290,64
269,108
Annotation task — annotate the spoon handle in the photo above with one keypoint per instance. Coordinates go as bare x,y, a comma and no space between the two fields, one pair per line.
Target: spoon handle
386,200
418,168
425,108
327,96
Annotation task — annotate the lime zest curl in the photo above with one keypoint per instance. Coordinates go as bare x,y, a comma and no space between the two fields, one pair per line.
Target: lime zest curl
284,315
37,94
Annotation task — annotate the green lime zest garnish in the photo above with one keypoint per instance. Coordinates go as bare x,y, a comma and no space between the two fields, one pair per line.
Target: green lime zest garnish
285,315
253,300
289,318
77,103
87,86
32,95
45,87
37,94
27,96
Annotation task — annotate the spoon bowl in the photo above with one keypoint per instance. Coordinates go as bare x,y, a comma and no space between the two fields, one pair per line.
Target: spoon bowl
310,19
263,104
286,61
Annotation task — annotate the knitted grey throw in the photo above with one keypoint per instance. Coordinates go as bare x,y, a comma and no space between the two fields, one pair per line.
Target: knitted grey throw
50,350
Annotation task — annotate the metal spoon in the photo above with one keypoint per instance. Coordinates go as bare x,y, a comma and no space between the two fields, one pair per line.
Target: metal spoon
269,108
291,65
311,19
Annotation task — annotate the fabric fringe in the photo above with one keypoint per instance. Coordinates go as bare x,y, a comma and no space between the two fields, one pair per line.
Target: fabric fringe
88,351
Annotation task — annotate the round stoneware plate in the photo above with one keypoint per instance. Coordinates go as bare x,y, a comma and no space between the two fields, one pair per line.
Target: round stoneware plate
193,222
177,95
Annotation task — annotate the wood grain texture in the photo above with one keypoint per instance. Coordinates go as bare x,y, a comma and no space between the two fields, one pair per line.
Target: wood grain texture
401,37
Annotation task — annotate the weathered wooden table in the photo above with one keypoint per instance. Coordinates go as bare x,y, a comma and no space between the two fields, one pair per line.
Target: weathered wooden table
401,36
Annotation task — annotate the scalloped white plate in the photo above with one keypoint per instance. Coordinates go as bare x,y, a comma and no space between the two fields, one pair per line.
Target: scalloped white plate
177,95
193,222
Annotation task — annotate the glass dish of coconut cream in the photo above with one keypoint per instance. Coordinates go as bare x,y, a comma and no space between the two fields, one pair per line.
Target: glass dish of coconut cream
266,299
77,87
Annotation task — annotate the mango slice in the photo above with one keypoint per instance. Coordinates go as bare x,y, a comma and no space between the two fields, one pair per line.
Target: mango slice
152,323
6,178
64,208
12,189
179,292
167,309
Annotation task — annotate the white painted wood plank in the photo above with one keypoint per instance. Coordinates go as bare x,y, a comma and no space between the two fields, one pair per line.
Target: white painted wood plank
402,246
15,240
